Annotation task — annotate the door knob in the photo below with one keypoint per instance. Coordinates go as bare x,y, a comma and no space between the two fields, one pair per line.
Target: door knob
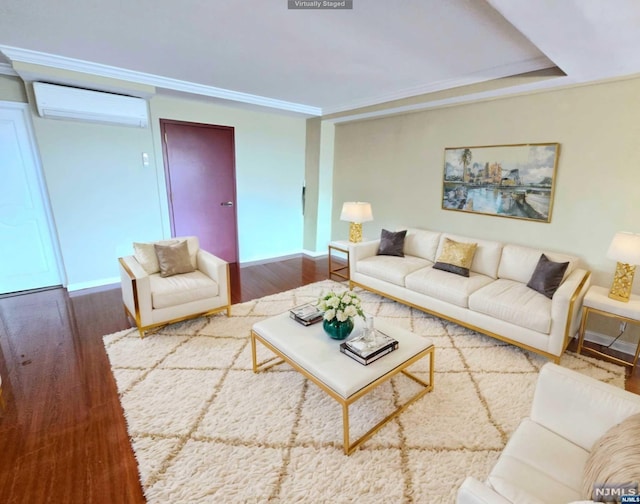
226,203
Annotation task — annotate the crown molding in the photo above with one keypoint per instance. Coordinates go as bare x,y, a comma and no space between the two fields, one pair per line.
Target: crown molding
7,69
520,67
547,85
75,65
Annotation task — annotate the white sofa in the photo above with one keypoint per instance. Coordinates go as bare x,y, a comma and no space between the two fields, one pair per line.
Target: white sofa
153,301
494,299
544,460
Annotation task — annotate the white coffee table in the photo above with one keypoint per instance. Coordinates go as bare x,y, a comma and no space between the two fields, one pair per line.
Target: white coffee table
310,351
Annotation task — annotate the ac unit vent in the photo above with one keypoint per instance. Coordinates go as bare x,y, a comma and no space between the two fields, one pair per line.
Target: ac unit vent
62,102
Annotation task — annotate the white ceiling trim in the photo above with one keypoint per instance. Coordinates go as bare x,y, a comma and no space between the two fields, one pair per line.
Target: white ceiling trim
550,84
7,69
71,64
520,67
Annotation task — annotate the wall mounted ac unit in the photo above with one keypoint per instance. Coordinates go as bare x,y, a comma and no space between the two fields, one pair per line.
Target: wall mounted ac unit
62,102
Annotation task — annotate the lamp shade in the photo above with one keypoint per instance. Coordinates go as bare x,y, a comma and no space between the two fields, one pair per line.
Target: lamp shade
625,248
356,211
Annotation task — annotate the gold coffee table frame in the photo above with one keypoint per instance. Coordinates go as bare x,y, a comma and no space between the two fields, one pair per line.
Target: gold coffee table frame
345,402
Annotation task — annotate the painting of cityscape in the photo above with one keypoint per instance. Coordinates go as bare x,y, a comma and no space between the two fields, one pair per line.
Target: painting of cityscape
506,180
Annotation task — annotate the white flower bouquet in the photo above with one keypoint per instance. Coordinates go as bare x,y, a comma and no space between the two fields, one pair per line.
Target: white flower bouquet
342,306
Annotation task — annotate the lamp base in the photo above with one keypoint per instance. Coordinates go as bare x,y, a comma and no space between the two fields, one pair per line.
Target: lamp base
622,282
355,232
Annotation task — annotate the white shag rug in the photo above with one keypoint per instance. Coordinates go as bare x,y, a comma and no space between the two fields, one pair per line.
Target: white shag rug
206,429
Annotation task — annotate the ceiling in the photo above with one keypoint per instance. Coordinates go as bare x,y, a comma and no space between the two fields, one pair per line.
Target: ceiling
318,62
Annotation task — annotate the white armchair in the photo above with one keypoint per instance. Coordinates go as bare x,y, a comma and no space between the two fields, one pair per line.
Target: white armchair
153,300
544,461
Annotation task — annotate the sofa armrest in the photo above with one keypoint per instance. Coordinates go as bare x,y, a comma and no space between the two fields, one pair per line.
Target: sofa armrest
566,307
136,289
577,407
473,491
362,250
216,269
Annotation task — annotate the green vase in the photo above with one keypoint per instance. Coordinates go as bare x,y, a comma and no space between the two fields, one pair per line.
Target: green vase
336,329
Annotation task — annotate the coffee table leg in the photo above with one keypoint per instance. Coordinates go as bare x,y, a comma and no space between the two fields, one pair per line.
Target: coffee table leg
253,352
345,427
426,387
278,358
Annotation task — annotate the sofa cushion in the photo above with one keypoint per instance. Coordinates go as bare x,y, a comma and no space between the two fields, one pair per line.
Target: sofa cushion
547,276
180,289
456,257
453,289
486,258
513,302
390,268
392,243
538,466
421,243
518,263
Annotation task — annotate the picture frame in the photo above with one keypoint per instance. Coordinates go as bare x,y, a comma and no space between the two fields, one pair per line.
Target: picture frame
513,181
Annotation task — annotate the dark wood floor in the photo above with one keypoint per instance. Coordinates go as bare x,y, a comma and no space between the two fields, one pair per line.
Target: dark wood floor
63,438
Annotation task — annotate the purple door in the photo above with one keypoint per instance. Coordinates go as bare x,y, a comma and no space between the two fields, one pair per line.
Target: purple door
201,184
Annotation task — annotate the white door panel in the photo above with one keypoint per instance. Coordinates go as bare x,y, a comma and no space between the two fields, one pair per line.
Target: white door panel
28,257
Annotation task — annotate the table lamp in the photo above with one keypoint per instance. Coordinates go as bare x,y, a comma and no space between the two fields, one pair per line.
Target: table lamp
625,249
356,212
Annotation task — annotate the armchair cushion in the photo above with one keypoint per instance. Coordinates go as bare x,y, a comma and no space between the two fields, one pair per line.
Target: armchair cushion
174,259
180,289
538,466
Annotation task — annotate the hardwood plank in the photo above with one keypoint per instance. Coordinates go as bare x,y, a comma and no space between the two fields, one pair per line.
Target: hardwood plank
63,436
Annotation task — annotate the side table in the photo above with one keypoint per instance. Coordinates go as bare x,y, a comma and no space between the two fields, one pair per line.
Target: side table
597,300
339,269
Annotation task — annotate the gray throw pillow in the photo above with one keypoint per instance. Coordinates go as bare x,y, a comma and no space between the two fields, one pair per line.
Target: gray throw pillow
392,243
173,259
547,276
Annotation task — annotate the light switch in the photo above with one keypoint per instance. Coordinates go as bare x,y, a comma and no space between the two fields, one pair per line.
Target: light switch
145,159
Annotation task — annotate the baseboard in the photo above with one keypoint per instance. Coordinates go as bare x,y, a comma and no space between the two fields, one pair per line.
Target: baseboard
625,347
314,253
267,260
93,283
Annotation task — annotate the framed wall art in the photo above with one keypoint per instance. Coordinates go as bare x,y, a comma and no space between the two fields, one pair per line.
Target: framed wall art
515,181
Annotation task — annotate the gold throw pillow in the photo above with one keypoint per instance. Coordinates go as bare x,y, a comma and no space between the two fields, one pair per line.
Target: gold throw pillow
456,257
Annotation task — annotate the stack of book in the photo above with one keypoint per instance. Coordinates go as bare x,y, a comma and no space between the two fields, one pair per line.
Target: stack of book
306,314
366,350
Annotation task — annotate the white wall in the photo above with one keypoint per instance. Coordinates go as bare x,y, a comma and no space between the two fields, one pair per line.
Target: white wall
103,198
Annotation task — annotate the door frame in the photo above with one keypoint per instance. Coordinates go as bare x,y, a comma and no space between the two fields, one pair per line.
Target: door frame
25,110
167,175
